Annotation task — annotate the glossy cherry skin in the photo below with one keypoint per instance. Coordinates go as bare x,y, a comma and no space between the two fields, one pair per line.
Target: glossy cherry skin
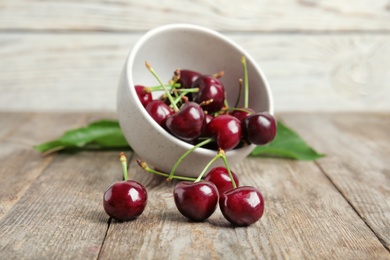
242,113
209,88
206,121
187,123
196,200
242,206
259,128
144,97
226,130
187,78
221,178
125,200
159,111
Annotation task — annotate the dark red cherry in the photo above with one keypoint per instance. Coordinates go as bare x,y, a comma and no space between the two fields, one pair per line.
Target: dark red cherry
187,123
209,88
259,128
242,113
196,200
221,178
187,78
242,206
206,121
144,97
125,200
226,130
159,111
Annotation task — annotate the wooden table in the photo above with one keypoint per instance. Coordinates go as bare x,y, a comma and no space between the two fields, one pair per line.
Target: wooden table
59,59
337,207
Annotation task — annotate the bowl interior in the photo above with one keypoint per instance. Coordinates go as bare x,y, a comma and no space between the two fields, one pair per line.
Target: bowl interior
191,47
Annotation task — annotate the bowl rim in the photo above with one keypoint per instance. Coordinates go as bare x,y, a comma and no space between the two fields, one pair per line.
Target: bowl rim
175,26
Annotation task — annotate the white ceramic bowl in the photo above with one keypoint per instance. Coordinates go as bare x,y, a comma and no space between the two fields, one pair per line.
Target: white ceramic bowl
192,47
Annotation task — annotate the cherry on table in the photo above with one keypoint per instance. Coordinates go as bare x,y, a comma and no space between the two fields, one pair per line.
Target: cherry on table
221,178
196,200
242,206
125,200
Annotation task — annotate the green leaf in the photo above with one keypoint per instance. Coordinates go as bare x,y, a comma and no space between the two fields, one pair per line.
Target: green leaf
103,134
107,134
287,144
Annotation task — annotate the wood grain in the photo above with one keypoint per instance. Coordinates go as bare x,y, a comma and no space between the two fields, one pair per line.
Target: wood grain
357,148
79,72
130,16
305,217
60,215
18,134
330,209
23,164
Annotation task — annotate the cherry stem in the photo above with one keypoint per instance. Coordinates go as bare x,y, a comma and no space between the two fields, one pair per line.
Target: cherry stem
216,157
223,156
246,87
176,77
185,155
239,92
219,74
180,97
188,90
122,158
156,88
145,166
239,109
226,104
175,108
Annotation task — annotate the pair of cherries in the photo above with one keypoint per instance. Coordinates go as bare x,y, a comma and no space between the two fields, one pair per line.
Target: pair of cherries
241,206
204,112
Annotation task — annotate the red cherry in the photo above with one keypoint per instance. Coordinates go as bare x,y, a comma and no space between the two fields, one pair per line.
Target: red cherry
259,128
125,200
206,121
221,178
242,206
242,113
187,123
144,97
209,88
187,78
159,111
196,200
226,130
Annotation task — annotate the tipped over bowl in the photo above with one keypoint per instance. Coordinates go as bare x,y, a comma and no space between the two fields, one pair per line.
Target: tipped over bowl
192,47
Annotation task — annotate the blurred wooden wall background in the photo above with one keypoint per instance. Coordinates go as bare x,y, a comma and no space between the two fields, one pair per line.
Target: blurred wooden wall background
326,55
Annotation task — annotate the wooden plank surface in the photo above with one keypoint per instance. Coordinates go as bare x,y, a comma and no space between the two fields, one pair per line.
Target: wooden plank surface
21,165
80,72
264,16
333,208
61,215
358,148
305,217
